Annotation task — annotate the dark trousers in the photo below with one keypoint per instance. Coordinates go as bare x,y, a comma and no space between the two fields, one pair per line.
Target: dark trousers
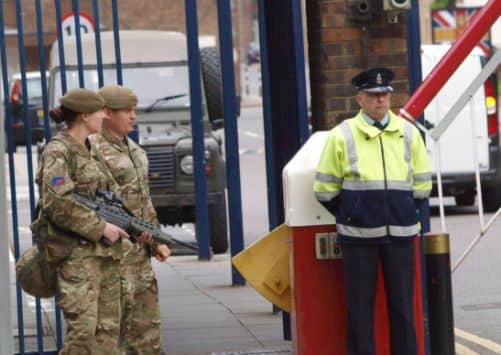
360,272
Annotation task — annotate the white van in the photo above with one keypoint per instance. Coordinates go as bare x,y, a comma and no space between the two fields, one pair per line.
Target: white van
456,144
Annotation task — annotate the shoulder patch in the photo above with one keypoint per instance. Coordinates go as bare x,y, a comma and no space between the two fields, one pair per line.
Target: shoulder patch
57,181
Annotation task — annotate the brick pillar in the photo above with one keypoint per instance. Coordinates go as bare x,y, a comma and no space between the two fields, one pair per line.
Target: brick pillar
336,54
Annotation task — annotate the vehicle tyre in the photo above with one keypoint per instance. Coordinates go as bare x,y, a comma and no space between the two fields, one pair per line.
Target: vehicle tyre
491,197
218,228
211,75
465,199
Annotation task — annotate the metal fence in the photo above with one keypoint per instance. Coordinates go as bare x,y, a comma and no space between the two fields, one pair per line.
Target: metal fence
41,331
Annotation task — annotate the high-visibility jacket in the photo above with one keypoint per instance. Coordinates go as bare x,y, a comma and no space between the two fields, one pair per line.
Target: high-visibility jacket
371,179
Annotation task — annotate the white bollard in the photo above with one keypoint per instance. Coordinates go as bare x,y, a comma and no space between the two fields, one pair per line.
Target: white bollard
246,79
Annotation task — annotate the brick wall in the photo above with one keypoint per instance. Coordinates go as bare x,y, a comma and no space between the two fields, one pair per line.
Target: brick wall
336,55
133,14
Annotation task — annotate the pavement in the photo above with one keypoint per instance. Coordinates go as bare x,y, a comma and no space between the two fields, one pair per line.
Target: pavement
251,101
202,313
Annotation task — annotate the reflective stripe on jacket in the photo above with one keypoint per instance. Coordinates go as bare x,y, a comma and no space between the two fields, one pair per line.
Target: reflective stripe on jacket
369,178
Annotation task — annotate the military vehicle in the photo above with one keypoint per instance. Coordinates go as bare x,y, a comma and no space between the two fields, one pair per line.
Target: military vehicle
155,65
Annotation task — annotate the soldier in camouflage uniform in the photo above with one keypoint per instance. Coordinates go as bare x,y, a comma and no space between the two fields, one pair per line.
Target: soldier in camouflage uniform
128,164
73,236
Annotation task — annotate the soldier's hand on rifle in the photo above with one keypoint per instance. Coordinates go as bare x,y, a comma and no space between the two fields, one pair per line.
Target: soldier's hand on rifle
162,252
146,238
112,233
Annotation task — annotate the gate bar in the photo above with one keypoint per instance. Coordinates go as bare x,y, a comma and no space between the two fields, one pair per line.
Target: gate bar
29,161
231,135
6,346
78,36
12,175
197,131
268,127
43,68
47,133
97,35
60,45
300,72
116,35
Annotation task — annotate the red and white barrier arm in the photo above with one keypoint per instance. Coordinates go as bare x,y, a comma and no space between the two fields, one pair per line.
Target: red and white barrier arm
479,25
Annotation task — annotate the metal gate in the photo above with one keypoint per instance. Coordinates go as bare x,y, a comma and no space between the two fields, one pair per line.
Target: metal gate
37,326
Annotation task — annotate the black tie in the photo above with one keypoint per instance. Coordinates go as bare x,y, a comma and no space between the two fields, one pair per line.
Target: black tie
378,125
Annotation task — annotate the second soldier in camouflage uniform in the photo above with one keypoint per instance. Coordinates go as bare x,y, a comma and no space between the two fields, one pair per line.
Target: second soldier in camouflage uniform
128,164
71,235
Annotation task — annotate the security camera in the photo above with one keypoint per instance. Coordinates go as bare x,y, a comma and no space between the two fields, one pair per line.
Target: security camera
361,10
396,5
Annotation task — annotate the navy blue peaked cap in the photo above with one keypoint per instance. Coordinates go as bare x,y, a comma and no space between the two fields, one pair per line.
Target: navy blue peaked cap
375,80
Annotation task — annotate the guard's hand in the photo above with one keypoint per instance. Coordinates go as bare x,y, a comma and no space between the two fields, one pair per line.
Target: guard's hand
162,252
146,238
112,233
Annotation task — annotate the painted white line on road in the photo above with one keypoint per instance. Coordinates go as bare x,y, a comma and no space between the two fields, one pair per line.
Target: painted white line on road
463,350
251,134
251,151
486,343
46,305
22,193
189,230
26,211
24,230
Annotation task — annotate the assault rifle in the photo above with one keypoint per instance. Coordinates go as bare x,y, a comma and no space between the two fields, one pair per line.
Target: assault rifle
111,208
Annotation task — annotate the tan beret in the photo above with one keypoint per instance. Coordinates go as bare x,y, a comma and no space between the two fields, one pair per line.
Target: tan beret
117,97
82,101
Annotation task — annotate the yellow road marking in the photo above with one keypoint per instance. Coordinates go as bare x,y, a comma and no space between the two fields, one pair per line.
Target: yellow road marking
486,343
463,350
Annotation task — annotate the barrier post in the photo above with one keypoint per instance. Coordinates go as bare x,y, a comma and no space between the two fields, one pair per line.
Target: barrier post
439,286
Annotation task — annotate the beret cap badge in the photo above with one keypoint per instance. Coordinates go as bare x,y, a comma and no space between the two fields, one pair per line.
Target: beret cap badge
375,80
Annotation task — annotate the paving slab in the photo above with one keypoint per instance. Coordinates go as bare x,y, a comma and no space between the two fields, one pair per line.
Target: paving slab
201,312
207,315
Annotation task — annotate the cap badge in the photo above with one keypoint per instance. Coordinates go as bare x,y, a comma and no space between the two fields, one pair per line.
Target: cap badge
379,79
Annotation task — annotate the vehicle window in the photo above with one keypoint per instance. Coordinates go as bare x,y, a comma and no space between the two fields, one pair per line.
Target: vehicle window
34,86
149,83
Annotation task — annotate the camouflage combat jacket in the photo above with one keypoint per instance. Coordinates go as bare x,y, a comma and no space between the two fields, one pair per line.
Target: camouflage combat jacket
128,164
67,227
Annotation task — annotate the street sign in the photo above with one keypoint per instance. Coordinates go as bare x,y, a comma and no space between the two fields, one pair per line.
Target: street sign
68,24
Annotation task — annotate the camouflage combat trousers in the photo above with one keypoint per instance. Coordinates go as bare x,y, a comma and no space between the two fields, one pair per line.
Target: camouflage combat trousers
88,292
141,328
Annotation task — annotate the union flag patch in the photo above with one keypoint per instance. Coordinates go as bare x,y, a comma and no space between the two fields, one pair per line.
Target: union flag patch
58,180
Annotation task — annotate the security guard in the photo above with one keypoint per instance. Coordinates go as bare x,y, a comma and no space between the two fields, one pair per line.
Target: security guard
127,163
372,175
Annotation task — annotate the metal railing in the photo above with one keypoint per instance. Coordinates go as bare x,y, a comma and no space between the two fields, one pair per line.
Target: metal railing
438,131
53,338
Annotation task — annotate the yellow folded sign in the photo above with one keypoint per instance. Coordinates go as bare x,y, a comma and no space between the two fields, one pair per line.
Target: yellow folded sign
265,266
